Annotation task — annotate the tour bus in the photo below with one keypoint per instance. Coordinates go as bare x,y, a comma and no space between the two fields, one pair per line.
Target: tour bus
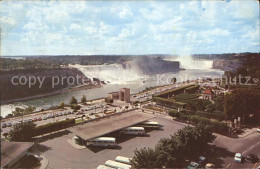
102,142
124,160
133,131
117,165
104,167
152,124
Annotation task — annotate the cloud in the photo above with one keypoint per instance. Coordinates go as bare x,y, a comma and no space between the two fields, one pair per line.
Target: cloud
129,27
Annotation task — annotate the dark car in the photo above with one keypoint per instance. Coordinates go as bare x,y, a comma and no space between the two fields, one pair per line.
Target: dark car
251,158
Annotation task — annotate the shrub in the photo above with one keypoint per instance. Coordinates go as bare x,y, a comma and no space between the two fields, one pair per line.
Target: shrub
171,92
169,103
51,127
192,89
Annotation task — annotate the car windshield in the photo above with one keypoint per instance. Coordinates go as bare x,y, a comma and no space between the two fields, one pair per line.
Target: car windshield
238,155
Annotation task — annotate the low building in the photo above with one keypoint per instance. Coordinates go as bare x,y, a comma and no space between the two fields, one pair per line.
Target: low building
123,95
208,94
113,95
12,152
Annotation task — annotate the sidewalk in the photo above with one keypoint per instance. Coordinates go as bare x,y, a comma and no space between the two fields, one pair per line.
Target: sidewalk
246,132
41,157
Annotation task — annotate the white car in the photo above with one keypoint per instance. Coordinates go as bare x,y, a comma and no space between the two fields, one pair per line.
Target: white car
238,157
258,129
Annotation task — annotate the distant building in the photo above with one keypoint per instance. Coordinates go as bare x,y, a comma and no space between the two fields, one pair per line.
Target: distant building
123,95
208,94
12,152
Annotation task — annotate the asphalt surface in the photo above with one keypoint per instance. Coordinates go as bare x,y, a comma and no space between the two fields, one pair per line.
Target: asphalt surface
245,146
61,154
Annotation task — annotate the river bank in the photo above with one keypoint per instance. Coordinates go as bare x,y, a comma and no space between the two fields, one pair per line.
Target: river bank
65,90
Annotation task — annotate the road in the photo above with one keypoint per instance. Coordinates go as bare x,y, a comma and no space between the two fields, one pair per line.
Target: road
245,146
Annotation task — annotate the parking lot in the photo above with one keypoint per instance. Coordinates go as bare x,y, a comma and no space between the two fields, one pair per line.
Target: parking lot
60,153
91,111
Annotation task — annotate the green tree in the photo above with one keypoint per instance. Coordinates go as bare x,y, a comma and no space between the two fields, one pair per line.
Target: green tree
83,99
146,158
61,106
75,107
242,103
29,109
22,132
18,111
73,100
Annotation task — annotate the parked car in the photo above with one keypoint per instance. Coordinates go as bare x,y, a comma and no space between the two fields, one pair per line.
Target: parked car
30,120
14,123
45,118
238,157
193,165
258,129
35,119
9,124
202,161
209,166
251,158
39,119
4,125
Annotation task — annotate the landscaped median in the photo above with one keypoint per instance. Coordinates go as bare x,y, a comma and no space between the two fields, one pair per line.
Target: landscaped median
215,125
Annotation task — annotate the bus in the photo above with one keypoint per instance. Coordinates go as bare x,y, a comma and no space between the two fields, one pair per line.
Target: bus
104,167
149,124
117,165
102,142
124,160
133,131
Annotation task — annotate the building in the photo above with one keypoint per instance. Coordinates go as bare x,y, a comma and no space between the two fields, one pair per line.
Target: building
124,94
113,95
12,152
208,94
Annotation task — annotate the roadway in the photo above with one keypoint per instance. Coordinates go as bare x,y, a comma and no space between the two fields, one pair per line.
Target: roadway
245,146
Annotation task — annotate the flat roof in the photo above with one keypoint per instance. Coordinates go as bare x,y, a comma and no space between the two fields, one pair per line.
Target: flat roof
110,124
11,150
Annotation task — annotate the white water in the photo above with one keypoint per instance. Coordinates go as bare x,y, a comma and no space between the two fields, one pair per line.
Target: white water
187,62
113,73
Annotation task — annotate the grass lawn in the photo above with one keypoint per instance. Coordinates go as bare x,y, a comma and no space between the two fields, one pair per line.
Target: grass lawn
79,120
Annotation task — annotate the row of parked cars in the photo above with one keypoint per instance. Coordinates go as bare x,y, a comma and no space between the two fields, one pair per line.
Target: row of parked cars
4,125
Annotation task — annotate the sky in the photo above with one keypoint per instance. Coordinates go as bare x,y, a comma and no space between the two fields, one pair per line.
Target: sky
129,27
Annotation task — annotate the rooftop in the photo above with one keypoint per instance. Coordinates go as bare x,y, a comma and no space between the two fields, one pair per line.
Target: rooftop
208,91
110,124
10,150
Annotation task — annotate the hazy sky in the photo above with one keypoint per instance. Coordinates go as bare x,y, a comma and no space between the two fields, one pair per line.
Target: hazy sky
129,27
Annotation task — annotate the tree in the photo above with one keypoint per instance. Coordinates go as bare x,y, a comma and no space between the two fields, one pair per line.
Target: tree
242,103
22,132
75,107
29,109
61,106
146,158
108,100
18,111
83,99
73,100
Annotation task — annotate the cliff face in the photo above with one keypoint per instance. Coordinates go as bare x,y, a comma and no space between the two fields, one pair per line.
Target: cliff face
226,65
42,81
150,65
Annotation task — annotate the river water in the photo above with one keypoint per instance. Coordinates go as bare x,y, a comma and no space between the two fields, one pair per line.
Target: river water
135,83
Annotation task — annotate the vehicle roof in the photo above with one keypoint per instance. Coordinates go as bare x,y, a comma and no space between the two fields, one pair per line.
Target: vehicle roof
238,154
104,139
123,159
150,122
117,164
138,128
104,167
